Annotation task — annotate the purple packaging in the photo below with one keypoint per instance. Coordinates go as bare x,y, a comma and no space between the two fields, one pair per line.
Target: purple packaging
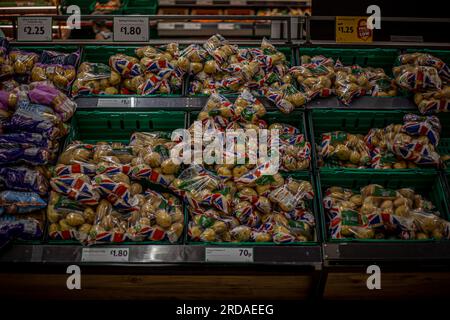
33,156
24,179
35,118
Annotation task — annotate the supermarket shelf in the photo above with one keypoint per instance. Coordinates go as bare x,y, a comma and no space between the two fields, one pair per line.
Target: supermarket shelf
366,102
167,254
172,103
204,29
416,252
233,3
35,10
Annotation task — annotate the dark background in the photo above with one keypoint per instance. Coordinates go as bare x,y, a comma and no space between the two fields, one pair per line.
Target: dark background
436,32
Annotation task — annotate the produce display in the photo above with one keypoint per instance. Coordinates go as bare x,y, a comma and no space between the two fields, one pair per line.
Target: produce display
33,122
374,212
154,70
219,67
320,76
250,208
115,191
247,113
100,192
428,78
397,146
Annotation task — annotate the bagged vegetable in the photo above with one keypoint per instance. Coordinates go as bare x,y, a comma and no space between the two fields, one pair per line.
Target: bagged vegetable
16,202
344,149
24,179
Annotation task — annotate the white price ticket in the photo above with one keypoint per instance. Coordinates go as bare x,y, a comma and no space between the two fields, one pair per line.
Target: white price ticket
229,255
105,254
226,26
34,29
134,29
205,2
114,102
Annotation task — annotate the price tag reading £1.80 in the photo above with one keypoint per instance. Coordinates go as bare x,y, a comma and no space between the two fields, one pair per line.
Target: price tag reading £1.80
105,254
34,29
229,255
133,29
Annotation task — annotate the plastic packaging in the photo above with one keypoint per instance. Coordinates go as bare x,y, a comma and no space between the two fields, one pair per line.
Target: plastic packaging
379,213
46,95
61,76
351,82
36,118
24,179
17,202
344,149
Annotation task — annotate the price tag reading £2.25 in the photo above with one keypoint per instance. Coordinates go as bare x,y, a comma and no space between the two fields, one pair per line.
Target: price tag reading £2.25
34,29
135,29
105,254
229,255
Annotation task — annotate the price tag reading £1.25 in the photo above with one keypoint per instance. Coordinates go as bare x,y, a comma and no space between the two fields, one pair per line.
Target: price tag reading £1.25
34,29
229,255
135,29
105,254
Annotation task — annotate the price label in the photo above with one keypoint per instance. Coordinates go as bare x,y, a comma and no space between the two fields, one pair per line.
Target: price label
229,255
166,25
166,2
192,26
34,29
105,254
353,29
226,26
114,102
134,29
205,2
238,2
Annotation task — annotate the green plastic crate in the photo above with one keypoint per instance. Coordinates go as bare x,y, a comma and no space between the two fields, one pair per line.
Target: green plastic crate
141,7
101,54
360,122
85,5
93,126
312,205
428,184
444,55
377,58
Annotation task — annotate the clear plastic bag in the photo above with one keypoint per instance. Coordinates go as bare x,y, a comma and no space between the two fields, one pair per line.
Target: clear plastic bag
425,59
77,187
344,149
380,84
61,76
351,82
433,101
23,61
417,78
126,66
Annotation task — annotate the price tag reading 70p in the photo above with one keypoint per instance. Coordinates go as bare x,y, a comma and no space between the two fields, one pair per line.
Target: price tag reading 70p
229,255
133,29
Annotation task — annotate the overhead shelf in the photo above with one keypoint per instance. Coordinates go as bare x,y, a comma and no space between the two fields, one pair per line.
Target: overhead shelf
234,3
